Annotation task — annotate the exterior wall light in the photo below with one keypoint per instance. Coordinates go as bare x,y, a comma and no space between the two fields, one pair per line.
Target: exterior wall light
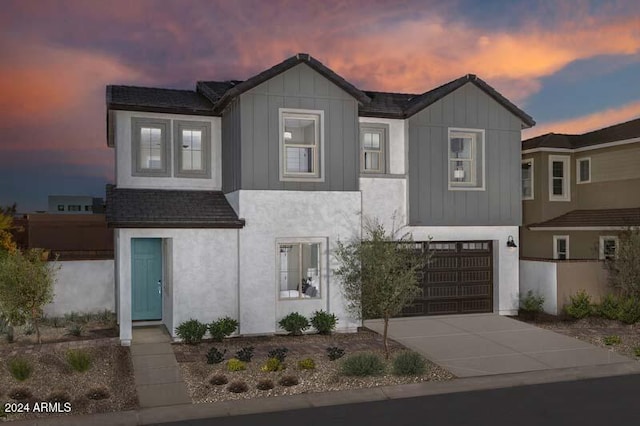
510,243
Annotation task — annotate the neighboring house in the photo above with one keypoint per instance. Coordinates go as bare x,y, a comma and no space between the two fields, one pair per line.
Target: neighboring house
229,199
579,193
74,204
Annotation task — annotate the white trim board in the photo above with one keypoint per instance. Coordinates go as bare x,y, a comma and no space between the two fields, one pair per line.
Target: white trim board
585,148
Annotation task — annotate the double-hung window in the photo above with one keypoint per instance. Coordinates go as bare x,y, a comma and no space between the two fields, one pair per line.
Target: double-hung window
299,269
559,183
301,145
527,179
192,149
608,245
583,170
466,159
150,147
561,247
373,146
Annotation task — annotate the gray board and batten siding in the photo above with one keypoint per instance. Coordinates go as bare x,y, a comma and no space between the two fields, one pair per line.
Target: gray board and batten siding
431,203
250,133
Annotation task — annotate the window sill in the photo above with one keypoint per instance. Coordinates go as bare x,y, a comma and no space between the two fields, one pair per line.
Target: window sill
301,179
560,199
467,188
382,175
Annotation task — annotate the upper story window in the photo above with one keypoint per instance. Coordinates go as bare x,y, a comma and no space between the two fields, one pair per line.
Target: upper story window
60,207
299,269
301,145
559,184
150,148
74,207
192,149
561,247
527,179
373,148
466,159
608,246
583,170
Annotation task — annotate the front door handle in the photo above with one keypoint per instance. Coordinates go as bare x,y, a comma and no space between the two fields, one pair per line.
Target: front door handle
160,287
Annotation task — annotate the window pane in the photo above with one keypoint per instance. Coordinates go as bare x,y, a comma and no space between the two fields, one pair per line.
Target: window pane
461,147
191,150
460,171
310,284
300,131
186,162
526,180
562,245
150,148
584,171
372,140
299,160
367,140
371,161
289,270
558,186
609,248
558,169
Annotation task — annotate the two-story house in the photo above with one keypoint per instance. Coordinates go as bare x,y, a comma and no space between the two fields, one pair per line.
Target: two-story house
229,199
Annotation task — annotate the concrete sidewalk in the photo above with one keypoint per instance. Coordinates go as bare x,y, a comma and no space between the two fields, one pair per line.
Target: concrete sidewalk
489,344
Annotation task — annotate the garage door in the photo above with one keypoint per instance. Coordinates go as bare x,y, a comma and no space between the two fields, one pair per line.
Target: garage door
458,280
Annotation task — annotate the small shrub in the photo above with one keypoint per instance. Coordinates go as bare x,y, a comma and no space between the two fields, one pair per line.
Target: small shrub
306,364
105,317
609,307
222,328
409,364
56,322
279,353
272,364
59,396
191,331
2,413
75,330
79,360
245,354
72,317
235,364
237,387
29,330
324,322
612,340
265,384
334,353
218,379
363,364
629,310
20,394
532,304
636,351
580,306
97,394
288,381
20,369
294,323
214,356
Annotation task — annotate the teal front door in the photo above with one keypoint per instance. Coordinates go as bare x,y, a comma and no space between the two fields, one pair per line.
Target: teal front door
146,279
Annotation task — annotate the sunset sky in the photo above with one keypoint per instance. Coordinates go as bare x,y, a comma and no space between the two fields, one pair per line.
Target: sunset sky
572,65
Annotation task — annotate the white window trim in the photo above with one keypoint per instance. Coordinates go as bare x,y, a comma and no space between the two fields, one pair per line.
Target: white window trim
578,161
603,238
566,183
318,175
322,271
383,129
454,187
555,245
532,197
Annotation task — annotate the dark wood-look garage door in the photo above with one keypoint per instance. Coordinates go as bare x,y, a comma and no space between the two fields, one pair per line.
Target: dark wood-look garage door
458,280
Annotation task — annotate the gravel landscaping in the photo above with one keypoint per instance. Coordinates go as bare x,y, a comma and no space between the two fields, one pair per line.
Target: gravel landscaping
324,377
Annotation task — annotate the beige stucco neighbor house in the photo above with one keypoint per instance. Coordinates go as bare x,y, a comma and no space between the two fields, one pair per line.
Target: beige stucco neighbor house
579,193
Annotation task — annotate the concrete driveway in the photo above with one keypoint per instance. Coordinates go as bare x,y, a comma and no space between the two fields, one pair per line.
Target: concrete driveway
485,344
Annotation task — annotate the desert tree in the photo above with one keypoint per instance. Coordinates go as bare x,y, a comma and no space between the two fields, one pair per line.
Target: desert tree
624,267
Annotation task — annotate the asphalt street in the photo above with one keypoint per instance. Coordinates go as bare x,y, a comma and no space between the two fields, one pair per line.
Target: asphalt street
611,400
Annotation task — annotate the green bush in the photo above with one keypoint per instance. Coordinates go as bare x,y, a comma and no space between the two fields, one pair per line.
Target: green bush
234,364
279,353
222,328
409,364
580,306
272,364
531,303
75,330
363,364
191,331
324,322
636,351
214,356
294,323
245,354
306,364
20,369
609,307
334,353
629,310
79,360
612,340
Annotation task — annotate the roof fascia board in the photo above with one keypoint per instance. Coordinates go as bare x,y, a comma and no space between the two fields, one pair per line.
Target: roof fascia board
579,228
585,148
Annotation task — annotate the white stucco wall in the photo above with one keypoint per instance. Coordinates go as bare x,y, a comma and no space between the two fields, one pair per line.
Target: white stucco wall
542,279
291,215
385,200
124,178
505,260
82,286
398,131
203,275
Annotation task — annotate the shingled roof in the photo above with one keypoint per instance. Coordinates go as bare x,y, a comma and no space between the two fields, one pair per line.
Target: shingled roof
621,218
159,208
134,98
617,132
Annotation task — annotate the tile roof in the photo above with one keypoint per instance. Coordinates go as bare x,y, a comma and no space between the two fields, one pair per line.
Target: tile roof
159,208
158,100
593,218
617,132
385,104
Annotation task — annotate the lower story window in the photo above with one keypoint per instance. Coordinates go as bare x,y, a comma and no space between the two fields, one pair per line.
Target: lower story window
561,247
299,270
608,245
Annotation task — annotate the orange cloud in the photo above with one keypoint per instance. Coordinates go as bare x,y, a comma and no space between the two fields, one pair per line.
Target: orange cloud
587,123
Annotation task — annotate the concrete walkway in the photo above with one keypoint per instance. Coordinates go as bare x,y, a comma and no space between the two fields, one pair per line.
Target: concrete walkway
157,375
488,344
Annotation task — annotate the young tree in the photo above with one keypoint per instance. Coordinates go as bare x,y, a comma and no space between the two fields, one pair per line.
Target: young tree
7,244
624,268
380,274
26,285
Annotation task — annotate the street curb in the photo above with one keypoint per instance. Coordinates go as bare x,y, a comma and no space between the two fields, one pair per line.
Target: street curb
157,415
